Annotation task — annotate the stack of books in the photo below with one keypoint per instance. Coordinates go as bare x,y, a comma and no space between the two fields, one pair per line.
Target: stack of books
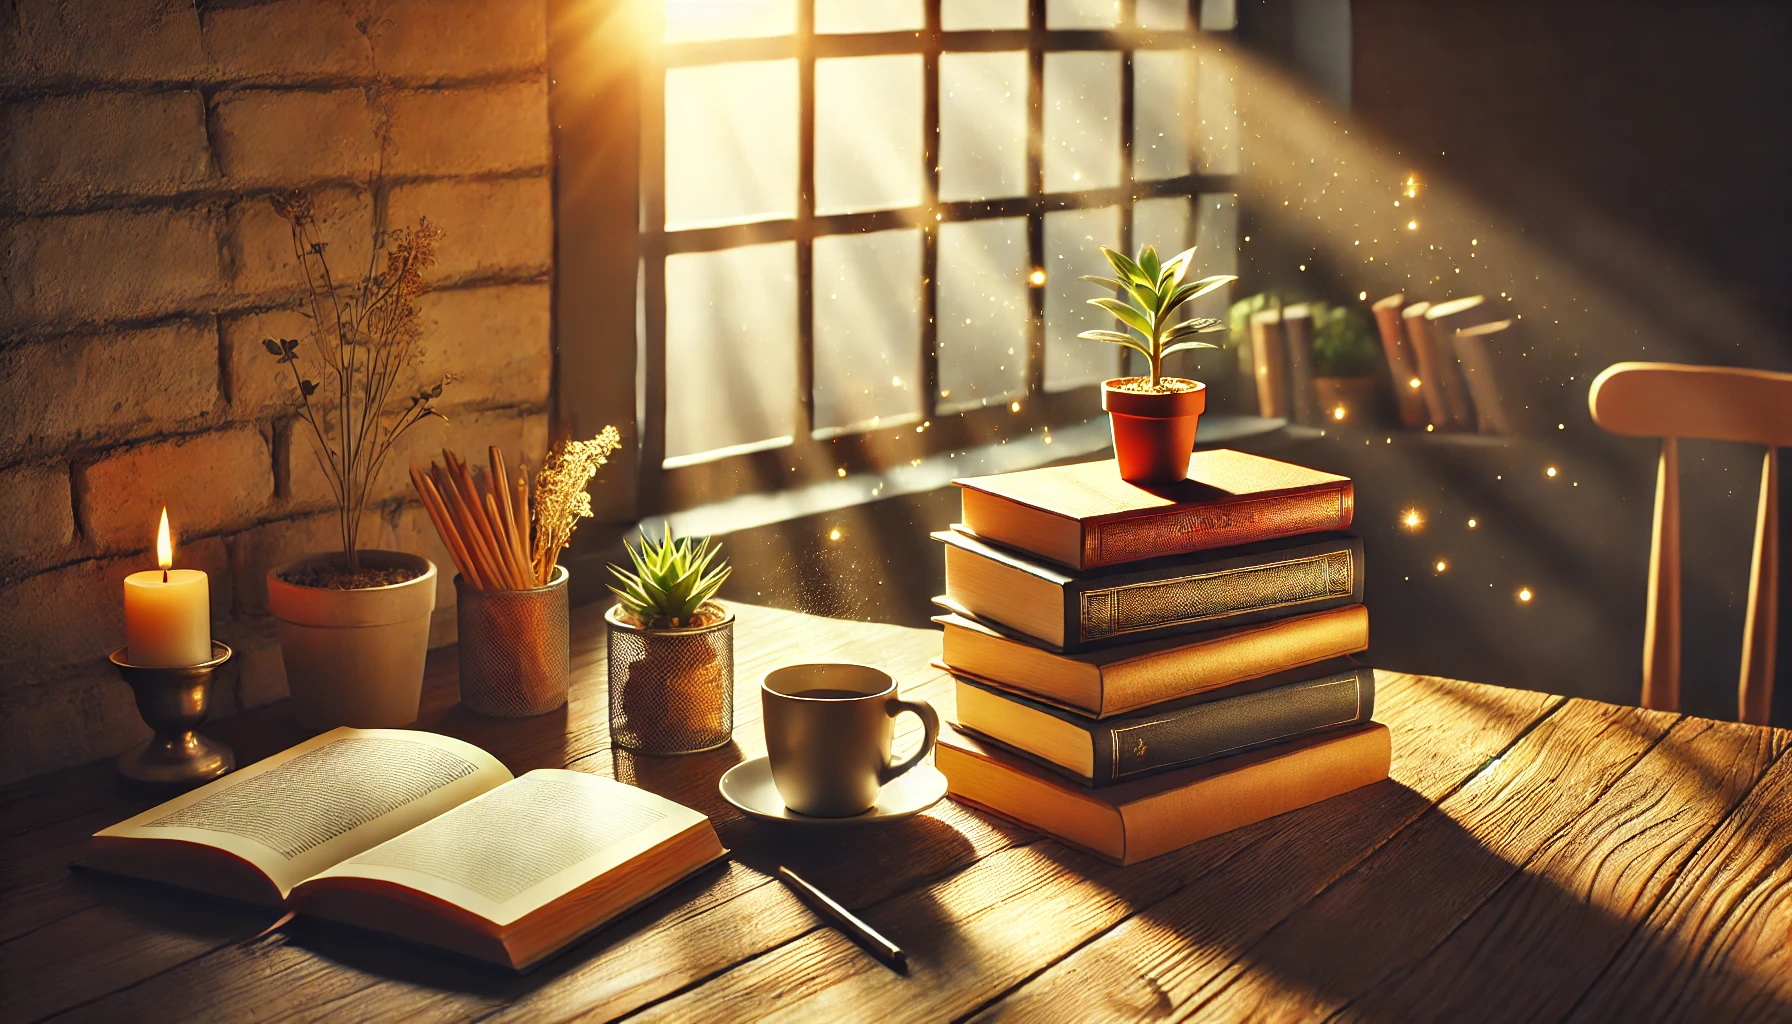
1138,668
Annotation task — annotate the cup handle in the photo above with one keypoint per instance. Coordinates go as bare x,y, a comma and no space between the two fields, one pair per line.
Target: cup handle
930,721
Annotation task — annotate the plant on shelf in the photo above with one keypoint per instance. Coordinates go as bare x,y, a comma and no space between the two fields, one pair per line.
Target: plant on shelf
1343,345
671,648
354,623
1154,417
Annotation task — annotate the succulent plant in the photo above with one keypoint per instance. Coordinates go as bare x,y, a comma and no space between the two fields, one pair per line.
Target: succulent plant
1152,290
672,581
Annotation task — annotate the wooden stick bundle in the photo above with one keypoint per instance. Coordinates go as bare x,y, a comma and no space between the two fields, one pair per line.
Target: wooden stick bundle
486,529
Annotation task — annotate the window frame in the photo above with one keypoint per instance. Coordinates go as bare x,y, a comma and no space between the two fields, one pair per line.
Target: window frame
806,458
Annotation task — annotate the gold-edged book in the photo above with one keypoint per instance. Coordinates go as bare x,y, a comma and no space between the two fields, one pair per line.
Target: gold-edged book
1134,821
1121,679
420,836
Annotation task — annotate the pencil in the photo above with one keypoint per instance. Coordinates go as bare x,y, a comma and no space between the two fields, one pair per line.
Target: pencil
867,936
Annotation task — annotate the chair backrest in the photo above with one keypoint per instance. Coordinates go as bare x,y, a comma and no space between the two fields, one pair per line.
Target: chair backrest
1712,403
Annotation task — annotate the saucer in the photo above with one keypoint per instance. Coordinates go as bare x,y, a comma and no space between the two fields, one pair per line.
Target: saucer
748,786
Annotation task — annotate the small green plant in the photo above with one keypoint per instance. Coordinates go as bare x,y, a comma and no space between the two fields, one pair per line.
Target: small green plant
1152,290
1342,343
672,582
1238,317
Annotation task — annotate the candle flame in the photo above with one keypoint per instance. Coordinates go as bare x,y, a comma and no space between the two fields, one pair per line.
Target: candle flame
164,544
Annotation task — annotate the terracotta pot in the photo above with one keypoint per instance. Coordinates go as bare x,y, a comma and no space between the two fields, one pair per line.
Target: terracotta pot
1153,434
355,657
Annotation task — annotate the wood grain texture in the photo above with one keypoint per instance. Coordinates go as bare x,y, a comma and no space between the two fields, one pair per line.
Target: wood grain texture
1717,946
1522,843
1551,929
1013,914
1399,904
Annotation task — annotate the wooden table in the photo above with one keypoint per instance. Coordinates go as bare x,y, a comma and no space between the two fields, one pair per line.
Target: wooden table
1532,858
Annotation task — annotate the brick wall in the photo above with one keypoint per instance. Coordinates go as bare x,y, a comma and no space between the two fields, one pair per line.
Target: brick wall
141,266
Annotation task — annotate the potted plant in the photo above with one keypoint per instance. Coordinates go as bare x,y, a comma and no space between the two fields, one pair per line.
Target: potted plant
1153,417
1346,354
671,649
353,623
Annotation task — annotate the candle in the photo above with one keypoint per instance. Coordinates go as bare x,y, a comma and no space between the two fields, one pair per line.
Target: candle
167,612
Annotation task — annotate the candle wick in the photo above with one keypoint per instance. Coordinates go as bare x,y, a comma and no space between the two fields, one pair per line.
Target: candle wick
164,575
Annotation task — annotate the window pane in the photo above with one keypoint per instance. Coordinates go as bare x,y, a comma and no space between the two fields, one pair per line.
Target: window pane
730,347
1162,14
1216,117
867,327
1071,241
958,15
868,15
1082,121
1219,15
1163,83
868,133
730,143
1216,250
687,20
983,125
1081,14
982,311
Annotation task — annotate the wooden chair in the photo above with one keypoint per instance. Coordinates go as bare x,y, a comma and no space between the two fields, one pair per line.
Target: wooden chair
1712,403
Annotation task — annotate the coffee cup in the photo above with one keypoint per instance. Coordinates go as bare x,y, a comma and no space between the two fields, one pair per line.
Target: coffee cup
827,734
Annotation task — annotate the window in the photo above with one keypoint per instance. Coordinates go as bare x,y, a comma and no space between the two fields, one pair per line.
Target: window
862,222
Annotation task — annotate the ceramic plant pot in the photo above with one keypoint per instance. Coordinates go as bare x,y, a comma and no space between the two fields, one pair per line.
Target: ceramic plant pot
355,657
1153,433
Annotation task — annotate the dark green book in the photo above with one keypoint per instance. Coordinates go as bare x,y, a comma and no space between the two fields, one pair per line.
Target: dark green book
1072,610
1231,720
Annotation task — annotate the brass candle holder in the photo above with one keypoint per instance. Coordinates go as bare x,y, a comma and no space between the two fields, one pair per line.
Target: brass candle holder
174,702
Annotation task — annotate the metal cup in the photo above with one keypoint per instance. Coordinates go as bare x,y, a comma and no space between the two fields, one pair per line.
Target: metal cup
514,657
827,733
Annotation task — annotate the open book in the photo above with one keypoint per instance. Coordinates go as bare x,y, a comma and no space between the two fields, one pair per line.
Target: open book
421,836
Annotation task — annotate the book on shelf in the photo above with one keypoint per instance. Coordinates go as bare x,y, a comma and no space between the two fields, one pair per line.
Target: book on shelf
1474,354
1443,321
1401,368
1428,362
1142,818
1244,716
419,836
1270,363
1117,680
1072,610
1086,517
1297,331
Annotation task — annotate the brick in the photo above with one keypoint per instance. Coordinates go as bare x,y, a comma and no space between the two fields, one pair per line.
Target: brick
70,722
107,385
113,265
471,130
37,515
259,242
289,42
255,551
438,40
491,228
68,150
51,42
496,337
275,137
468,432
74,615
209,482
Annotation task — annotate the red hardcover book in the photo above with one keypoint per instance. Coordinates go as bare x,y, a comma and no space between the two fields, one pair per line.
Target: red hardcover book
1086,517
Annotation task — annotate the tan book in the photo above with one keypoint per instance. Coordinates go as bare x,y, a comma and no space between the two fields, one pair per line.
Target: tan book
1118,680
420,836
1401,367
1474,354
1428,362
1085,516
1444,320
1269,359
1134,821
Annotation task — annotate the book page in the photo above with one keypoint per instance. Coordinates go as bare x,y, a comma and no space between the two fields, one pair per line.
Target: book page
523,845
325,800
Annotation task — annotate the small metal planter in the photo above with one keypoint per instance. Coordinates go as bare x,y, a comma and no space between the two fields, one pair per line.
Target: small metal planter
514,660
671,690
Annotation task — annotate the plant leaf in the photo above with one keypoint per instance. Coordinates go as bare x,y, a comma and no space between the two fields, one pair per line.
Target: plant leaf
1126,314
1105,282
1179,346
1149,264
1124,265
1116,338
272,346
